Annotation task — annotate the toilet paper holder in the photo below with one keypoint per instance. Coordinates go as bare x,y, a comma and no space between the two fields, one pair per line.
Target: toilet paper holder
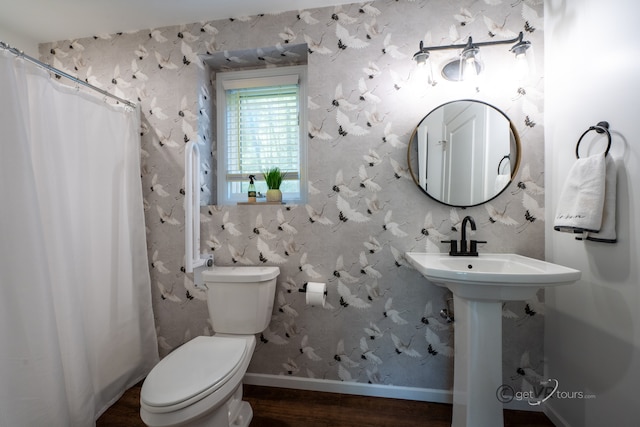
304,289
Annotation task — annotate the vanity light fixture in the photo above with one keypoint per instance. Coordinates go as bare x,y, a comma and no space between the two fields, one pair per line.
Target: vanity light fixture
468,65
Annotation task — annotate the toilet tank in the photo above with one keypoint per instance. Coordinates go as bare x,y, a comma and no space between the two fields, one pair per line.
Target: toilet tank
240,299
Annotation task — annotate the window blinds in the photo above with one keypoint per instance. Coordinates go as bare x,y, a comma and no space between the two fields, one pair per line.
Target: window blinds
262,131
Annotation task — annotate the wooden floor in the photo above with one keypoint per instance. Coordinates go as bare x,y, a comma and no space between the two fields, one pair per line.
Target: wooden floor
277,407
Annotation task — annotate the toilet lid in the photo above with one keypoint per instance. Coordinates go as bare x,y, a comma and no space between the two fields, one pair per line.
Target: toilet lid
202,364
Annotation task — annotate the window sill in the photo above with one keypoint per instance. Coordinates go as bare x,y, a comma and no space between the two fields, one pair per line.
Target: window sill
261,203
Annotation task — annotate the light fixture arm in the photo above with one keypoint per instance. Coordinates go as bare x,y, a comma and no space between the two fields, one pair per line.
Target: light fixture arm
470,43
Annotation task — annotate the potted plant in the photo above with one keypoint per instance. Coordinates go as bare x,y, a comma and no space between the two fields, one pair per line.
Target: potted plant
273,177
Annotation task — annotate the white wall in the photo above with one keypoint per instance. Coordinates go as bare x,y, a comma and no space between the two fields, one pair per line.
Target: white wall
592,331
27,44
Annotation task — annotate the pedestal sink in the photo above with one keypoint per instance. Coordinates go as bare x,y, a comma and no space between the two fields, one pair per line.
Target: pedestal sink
480,284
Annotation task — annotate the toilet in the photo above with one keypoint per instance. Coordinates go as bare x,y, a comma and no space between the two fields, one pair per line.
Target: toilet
200,383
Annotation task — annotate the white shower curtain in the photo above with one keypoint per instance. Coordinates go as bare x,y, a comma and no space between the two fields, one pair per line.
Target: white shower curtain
76,325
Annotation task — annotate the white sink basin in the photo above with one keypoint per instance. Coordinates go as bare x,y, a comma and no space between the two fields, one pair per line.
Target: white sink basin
496,277
479,285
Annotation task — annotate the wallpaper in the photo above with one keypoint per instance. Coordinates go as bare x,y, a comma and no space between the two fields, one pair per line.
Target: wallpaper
381,323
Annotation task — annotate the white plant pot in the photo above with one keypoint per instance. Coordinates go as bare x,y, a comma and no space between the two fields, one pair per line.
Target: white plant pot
274,196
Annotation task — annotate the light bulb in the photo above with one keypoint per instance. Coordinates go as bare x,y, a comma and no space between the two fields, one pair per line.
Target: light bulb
469,69
521,67
424,70
469,64
525,64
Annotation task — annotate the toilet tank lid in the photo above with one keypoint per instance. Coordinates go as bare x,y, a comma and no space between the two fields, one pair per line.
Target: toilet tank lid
240,274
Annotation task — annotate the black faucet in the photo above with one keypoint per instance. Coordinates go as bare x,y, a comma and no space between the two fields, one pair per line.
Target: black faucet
473,246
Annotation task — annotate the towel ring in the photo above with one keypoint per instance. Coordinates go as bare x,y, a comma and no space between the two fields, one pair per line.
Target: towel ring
601,127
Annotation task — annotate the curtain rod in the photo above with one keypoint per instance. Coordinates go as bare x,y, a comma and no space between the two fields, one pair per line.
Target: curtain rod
61,73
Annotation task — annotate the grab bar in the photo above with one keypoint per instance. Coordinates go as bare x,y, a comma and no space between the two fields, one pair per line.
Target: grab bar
192,207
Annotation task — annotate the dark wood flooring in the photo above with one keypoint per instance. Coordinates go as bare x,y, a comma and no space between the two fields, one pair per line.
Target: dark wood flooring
277,407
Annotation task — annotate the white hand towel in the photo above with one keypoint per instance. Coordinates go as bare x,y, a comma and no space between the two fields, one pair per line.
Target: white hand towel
581,203
607,233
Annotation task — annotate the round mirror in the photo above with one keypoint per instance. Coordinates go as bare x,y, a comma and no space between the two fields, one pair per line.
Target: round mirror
464,153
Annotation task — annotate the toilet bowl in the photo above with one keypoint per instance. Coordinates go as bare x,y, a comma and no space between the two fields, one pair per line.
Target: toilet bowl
200,383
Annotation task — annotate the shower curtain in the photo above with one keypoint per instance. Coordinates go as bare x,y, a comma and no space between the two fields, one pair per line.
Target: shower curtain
76,324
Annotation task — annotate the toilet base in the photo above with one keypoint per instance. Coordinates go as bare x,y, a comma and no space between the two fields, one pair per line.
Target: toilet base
244,417
239,411
234,413
223,418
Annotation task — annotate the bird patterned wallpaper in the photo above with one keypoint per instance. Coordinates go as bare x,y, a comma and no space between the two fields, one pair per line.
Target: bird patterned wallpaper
381,322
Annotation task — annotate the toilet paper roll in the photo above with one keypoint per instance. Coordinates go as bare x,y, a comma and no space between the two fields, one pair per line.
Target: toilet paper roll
316,293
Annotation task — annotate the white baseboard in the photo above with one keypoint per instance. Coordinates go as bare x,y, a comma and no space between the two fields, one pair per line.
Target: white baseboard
360,389
365,389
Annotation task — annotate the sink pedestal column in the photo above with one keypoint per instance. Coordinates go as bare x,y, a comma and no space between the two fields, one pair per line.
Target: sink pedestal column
477,362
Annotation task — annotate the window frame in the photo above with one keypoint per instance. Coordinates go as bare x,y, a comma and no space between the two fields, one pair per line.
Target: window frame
256,78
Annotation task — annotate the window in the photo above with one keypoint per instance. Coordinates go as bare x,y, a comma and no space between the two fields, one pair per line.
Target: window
261,124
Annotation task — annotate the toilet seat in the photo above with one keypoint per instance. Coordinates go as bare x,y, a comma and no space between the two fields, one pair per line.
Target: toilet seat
192,372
